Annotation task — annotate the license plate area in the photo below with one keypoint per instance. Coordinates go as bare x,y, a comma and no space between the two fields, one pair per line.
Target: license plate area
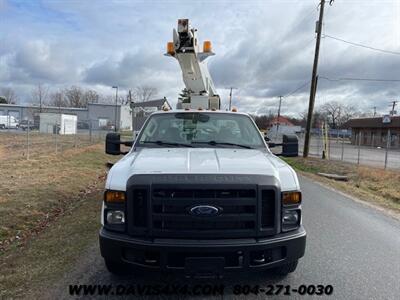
204,267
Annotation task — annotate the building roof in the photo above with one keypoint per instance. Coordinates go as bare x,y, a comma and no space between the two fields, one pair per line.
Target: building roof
43,107
152,103
282,121
372,123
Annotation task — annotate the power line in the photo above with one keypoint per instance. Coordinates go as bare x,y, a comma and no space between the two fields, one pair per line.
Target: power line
359,79
297,89
361,45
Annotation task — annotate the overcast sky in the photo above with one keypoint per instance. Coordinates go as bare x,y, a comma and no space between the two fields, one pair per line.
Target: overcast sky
263,48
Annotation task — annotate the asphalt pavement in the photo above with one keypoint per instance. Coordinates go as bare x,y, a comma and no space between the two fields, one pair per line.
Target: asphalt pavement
350,246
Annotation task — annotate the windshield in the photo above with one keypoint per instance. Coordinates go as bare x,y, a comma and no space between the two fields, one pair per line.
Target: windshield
199,130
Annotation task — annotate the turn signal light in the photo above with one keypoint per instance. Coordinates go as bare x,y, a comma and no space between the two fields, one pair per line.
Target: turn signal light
114,196
289,198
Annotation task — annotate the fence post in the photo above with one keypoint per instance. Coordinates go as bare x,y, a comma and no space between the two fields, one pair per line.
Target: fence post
359,148
90,131
342,156
55,132
75,137
27,142
388,141
373,139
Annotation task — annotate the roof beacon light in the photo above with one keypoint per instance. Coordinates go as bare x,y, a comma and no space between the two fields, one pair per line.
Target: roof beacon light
207,47
170,48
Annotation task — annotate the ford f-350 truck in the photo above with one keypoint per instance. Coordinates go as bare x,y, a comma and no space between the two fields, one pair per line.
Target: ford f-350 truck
201,193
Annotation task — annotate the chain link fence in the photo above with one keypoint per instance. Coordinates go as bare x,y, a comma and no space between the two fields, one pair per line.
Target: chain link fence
31,141
338,147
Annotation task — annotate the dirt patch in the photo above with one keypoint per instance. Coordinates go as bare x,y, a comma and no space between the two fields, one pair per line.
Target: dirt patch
2,152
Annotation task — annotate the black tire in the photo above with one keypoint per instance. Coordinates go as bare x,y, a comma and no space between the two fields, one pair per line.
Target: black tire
286,269
118,269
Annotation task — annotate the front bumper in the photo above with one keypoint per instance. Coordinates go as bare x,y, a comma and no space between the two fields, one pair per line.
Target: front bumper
220,255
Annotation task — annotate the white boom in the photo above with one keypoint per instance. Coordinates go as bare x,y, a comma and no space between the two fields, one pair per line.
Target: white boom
185,48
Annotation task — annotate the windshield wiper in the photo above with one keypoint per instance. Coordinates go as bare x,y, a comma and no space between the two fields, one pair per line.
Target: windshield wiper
214,143
161,143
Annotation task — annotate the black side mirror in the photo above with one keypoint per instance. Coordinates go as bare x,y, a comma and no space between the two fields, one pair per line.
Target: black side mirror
267,139
113,143
290,145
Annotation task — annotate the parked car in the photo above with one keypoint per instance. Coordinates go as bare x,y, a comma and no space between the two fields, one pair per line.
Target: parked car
25,124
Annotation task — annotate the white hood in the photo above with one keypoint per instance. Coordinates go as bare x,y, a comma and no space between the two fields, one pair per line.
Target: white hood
200,161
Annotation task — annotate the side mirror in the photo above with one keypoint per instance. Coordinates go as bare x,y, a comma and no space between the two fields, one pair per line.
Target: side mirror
113,143
267,139
290,145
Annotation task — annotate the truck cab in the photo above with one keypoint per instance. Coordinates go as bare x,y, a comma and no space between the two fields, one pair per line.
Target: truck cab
200,193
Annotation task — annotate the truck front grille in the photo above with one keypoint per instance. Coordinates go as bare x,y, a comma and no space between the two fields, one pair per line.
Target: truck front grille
171,216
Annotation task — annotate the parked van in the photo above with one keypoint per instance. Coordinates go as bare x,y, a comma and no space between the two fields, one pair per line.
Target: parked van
8,122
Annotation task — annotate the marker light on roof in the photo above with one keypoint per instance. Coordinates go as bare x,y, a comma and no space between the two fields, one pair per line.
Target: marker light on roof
170,48
234,109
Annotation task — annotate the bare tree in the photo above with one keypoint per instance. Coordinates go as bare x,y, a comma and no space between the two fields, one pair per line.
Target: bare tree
9,95
337,113
317,119
144,93
39,95
58,99
74,96
91,96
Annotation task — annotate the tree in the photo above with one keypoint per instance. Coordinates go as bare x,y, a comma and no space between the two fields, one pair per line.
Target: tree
9,95
337,113
58,99
39,95
317,119
263,121
91,96
3,100
184,96
143,93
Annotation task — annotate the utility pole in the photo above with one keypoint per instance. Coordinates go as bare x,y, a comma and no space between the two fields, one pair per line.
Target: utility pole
393,106
313,89
279,116
116,107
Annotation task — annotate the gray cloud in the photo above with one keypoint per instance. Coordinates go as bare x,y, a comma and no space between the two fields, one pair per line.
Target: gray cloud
264,48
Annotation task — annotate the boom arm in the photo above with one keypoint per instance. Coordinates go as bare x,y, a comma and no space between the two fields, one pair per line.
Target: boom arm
197,79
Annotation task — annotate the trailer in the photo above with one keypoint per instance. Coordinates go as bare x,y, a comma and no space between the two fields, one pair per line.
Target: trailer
58,123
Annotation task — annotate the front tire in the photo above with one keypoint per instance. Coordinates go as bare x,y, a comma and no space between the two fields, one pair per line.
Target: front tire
284,270
116,268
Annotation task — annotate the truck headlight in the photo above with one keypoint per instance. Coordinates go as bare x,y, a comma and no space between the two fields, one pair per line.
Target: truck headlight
290,217
115,217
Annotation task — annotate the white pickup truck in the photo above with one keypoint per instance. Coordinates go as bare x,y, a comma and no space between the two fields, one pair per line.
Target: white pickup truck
200,193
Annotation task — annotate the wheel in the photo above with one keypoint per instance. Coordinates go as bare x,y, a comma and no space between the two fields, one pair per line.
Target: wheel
119,269
286,269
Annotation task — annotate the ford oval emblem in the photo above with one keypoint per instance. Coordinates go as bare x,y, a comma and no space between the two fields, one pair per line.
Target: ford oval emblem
204,210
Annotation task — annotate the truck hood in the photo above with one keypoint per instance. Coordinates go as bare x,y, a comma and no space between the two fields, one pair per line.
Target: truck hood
200,161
